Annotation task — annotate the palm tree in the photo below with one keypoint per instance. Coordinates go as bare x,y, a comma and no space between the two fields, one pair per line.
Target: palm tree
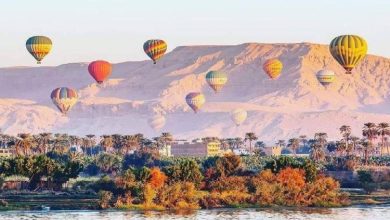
318,146
24,142
383,131
107,142
303,140
370,131
367,148
166,138
91,141
117,142
44,140
250,137
341,147
345,131
293,143
281,143
354,142
61,143
129,142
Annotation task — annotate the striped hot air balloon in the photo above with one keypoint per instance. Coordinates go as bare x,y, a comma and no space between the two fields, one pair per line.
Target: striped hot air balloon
325,77
39,47
64,98
273,68
216,80
155,49
100,70
239,116
195,100
157,122
348,50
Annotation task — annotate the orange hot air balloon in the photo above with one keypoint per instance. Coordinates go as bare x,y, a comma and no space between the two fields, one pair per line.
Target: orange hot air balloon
100,70
273,68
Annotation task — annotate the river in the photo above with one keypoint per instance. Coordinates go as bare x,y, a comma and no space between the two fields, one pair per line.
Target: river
355,213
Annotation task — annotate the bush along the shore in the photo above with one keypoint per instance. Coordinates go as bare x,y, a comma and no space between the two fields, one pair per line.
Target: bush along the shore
223,184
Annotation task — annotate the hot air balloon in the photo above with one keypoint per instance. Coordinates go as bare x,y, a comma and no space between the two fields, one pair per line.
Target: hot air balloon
325,77
216,80
238,116
64,98
348,50
195,100
100,70
273,68
39,47
155,49
157,122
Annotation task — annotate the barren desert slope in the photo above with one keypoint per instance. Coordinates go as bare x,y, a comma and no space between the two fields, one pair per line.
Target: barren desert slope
293,105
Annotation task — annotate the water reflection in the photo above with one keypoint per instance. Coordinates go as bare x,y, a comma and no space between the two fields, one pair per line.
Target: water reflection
355,213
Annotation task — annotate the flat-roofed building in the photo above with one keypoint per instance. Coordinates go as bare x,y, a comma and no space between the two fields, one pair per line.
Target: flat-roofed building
273,151
5,152
195,149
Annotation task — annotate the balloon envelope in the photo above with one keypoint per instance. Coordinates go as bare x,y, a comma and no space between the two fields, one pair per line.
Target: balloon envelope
157,122
238,116
325,77
273,68
155,49
348,50
64,98
195,100
216,80
100,70
38,47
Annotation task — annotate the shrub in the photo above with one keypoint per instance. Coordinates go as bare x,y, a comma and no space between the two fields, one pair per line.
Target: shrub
157,178
104,199
228,165
185,171
179,195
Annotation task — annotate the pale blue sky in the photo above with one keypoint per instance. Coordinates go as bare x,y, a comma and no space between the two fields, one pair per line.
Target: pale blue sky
85,30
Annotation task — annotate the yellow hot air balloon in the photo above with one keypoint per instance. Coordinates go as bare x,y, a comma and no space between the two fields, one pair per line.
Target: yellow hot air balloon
348,50
195,100
273,68
157,122
238,116
39,47
325,77
216,80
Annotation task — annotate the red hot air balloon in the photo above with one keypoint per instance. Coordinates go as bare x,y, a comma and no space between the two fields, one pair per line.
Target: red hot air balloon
100,70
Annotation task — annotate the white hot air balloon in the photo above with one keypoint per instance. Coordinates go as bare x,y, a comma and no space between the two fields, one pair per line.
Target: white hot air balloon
238,116
157,122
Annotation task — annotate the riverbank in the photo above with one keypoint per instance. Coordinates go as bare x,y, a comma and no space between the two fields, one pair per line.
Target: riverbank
54,200
88,201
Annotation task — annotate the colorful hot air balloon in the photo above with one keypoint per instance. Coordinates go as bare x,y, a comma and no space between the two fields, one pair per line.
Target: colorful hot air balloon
157,122
325,77
238,116
155,49
216,80
195,100
100,70
64,98
39,47
348,50
273,68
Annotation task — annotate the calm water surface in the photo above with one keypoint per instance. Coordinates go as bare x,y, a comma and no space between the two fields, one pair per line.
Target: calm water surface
355,213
